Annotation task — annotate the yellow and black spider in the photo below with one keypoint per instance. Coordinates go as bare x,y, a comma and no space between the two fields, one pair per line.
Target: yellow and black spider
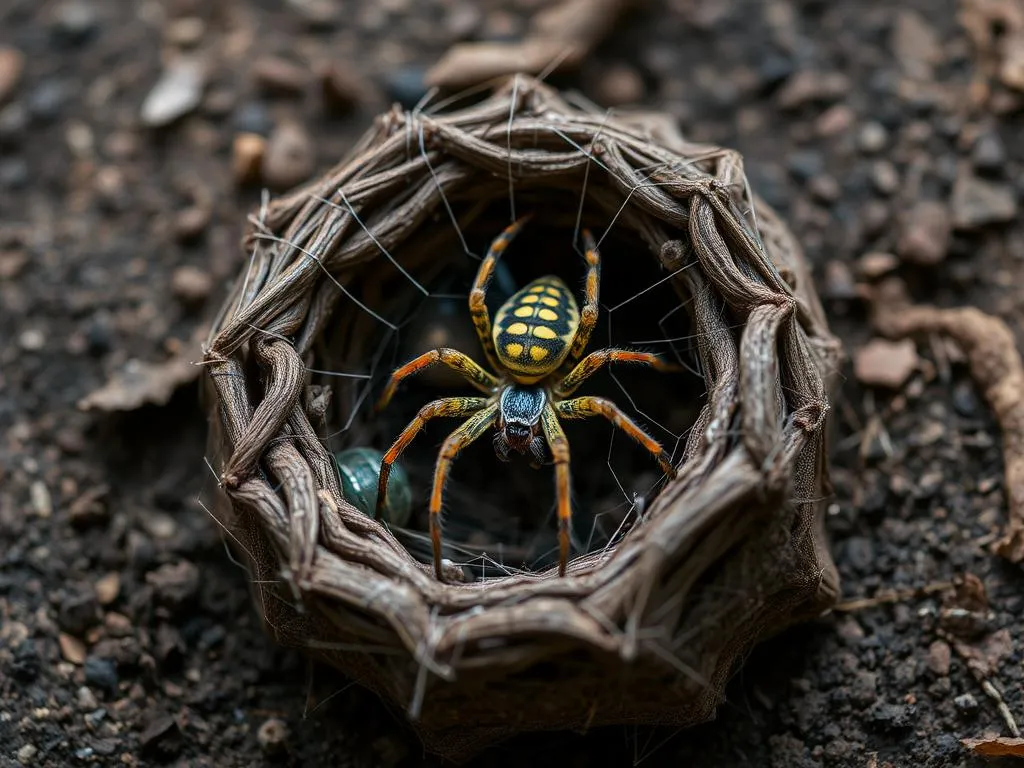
539,335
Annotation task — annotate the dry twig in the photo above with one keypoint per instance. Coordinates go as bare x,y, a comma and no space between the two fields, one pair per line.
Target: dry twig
997,369
559,38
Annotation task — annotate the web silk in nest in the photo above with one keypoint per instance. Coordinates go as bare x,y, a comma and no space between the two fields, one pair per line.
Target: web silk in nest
648,632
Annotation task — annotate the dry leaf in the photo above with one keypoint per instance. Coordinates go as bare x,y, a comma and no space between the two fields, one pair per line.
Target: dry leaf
140,383
998,746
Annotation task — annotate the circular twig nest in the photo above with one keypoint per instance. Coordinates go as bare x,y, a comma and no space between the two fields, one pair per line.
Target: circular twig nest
645,628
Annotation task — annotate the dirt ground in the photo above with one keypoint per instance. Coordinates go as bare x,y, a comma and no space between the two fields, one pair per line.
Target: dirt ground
127,635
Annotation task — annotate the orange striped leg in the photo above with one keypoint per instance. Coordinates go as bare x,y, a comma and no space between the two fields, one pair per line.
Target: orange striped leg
470,430
591,297
584,407
449,406
477,296
454,359
593,362
559,445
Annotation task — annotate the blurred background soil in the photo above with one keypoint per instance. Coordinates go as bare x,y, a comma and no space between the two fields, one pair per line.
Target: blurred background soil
892,144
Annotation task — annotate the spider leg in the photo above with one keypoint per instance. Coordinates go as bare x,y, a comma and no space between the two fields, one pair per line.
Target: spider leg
478,295
593,362
449,406
470,430
584,407
457,361
559,445
592,291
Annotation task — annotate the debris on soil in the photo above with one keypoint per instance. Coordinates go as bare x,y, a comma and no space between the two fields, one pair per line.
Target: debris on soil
995,746
247,153
882,363
178,91
996,27
977,202
876,264
141,383
926,233
997,369
560,37
191,285
273,736
280,77
289,158
342,89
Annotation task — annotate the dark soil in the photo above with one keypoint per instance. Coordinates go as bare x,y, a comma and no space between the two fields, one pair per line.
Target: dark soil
127,634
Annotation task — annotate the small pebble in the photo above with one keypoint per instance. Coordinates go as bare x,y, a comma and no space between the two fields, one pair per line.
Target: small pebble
46,101
885,177
110,187
273,736
289,158
32,340
27,754
839,283
318,14
13,122
12,65
101,673
876,264
834,120
406,86
925,233
872,138
883,363
247,153
940,657
191,285
977,202
185,32
620,85
74,21
71,648
966,705
14,173
86,698
805,164
989,154
253,117
280,77
809,86
108,588
772,70
190,223
341,87
178,91
824,188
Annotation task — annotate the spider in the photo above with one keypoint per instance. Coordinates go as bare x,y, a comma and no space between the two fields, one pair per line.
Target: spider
538,338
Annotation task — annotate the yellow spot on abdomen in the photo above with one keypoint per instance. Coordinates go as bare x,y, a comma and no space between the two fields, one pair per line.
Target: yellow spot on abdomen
554,292
547,314
549,301
527,311
537,289
513,350
538,353
517,329
543,332
530,299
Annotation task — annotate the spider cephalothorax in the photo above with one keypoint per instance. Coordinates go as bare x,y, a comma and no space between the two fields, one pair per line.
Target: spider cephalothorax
535,346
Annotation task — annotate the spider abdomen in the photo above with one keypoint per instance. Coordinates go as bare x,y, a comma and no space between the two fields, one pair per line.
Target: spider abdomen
534,329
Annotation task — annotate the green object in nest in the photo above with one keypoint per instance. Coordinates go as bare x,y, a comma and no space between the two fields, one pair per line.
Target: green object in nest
359,469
